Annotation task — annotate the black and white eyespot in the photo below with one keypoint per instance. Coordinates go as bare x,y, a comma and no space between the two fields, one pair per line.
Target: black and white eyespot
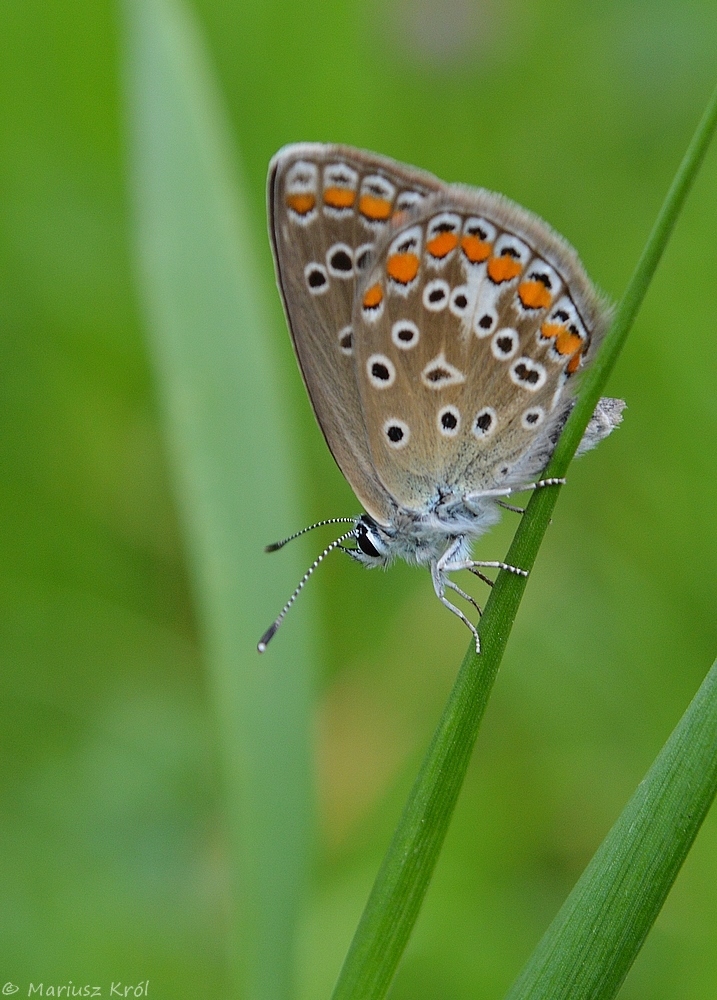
505,344
408,200
381,371
482,229
405,334
301,192
533,418
340,261
317,278
362,257
435,295
449,421
397,433
346,340
510,246
439,373
461,300
528,374
340,184
484,322
484,423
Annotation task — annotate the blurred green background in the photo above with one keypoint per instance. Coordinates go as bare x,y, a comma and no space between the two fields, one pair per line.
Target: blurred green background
113,831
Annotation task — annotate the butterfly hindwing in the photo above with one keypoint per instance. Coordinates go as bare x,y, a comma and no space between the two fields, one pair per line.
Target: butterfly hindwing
468,329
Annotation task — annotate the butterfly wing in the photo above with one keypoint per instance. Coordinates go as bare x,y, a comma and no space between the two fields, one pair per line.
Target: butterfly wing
328,205
469,328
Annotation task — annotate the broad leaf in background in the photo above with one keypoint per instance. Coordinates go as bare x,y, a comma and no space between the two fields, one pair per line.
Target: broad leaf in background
221,407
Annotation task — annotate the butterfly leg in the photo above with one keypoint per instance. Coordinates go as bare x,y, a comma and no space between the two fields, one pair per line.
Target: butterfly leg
471,564
481,576
509,506
510,490
439,585
462,593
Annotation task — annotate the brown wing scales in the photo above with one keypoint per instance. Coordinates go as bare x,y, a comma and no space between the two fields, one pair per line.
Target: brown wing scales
477,332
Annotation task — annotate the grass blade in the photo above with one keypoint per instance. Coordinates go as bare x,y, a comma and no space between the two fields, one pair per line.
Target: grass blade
219,394
593,941
404,876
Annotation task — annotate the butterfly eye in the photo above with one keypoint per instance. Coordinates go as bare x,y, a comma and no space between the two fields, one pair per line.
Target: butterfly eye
363,540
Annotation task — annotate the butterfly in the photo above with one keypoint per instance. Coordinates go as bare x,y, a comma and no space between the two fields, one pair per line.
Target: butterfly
439,329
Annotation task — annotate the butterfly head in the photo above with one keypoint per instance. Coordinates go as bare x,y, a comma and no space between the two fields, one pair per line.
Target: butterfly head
373,544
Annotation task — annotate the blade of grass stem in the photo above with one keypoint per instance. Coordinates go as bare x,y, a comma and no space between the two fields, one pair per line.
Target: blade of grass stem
219,394
588,949
402,881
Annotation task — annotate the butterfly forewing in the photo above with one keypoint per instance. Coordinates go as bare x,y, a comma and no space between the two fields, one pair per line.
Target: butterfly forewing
328,206
469,327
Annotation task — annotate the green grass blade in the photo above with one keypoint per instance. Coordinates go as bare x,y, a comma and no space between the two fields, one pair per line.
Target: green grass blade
404,876
593,941
219,394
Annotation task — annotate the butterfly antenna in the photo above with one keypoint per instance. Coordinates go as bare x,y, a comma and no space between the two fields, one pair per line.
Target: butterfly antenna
273,628
275,546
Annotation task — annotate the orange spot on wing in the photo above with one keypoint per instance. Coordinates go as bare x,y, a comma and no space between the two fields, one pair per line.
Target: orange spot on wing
302,204
567,342
376,209
504,269
441,245
534,295
475,250
550,330
403,267
336,197
373,297
574,363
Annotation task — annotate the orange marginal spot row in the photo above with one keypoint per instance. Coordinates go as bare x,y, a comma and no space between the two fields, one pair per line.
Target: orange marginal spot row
373,297
302,204
336,197
534,295
567,343
403,267
475,250
376,209
503,269
574,363
440,246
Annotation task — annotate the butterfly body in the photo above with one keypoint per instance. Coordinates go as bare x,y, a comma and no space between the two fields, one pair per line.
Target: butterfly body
438,329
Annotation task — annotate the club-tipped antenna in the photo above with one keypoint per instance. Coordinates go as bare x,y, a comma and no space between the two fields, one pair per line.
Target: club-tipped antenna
275,546
273,628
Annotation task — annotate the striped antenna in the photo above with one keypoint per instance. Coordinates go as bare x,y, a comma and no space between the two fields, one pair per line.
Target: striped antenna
275,546
273,628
